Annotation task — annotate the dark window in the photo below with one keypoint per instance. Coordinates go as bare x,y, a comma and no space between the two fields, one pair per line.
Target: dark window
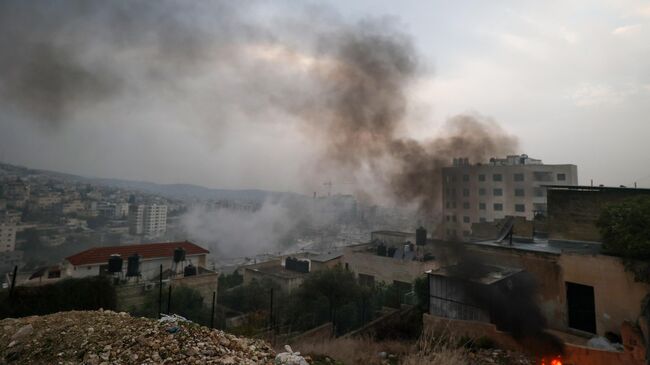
465,219
520,208
481,191
582,309
561,177
465,178
466,233
482,220
498,206
481,206
497,177
518,177
448,205
466,205
497,192
519,192
448,218
465,192
481,177
540,192
453,218
542,176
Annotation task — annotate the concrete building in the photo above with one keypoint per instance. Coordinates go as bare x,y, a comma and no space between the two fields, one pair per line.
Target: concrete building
148,220
8,229
94,261
513,186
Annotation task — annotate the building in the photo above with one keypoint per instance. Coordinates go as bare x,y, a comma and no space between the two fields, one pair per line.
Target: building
16,192
514,186
94,261
8,229
148,220
574,210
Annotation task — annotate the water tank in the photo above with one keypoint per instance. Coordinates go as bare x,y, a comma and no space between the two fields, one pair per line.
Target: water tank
381,250
179,254
115,263
391,251
133,265
421,236
190,270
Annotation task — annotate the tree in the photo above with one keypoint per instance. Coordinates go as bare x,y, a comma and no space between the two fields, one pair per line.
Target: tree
625,228
336,285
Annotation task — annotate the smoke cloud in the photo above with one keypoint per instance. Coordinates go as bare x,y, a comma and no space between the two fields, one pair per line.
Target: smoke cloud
214,64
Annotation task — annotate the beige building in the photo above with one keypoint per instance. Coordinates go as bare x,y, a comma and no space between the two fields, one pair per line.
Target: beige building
148,220
514,186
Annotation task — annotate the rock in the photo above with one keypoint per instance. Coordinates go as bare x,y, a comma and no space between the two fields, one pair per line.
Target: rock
23,332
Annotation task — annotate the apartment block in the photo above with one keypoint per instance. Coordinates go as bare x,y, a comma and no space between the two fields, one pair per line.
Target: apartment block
512,186
148,220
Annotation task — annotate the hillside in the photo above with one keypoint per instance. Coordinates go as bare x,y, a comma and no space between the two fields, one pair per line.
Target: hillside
106,337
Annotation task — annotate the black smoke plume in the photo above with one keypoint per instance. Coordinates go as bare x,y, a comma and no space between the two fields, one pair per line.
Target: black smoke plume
345,84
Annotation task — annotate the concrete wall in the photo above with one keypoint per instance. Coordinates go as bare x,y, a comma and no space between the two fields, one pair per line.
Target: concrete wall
132,295
617,296
386,269
149,268
572,214
286,284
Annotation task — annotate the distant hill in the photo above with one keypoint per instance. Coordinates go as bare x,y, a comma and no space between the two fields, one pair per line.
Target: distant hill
172,191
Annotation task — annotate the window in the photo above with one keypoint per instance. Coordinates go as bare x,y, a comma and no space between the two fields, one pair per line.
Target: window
448,218
519,192
465,178
465,205
448,205
481,206
481,177
542,176
540,192
518,177
497,177
453,205
497,192
453,218
498,206
465,192
561,177
482,220
465,219
481,191
466,233
453,178
520,208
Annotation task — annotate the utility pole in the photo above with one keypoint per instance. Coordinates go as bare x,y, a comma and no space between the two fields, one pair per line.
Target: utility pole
13,282
169,299
160,293
214,300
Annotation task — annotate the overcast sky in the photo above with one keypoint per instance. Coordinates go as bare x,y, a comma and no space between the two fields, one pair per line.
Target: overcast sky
571,79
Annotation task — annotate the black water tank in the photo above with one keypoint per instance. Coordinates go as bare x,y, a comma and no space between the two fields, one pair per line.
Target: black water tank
133,265
391,251
179,254
381,250
421,236
190,270
115,263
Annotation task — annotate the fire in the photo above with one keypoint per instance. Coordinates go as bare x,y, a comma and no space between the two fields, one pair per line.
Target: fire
553,361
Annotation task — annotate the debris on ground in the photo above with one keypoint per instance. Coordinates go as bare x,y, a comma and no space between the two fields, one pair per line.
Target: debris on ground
106,337
290,357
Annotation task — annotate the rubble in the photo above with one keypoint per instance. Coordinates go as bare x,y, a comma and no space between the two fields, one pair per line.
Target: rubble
106,337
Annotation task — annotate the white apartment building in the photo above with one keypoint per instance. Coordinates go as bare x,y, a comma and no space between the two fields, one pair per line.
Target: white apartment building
513,186
148,220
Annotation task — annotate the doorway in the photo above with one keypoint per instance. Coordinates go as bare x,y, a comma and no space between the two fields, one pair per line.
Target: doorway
582,308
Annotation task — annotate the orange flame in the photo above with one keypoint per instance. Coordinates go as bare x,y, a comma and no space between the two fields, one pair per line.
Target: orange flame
553,361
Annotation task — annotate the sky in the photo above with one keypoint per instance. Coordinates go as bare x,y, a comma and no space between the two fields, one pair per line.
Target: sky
569,79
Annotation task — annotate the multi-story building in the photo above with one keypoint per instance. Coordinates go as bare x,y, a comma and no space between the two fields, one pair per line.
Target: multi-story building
148,220
8,227
16,192
513,186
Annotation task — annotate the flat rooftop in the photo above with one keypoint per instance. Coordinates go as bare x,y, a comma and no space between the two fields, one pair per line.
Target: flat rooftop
545,246
278,271
481,274
595,188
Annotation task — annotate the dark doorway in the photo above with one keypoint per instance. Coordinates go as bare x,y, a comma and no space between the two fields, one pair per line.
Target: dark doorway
582,310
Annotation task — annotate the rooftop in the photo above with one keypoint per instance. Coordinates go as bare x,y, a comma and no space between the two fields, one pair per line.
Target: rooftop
328,256
147,251
278,271
595,188
482,274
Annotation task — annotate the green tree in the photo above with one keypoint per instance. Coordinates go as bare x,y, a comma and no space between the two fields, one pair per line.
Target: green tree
336,285
625,228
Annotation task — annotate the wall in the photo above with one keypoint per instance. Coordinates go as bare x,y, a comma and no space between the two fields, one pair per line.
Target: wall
149,268
132,295
617,296
572,214
385,269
